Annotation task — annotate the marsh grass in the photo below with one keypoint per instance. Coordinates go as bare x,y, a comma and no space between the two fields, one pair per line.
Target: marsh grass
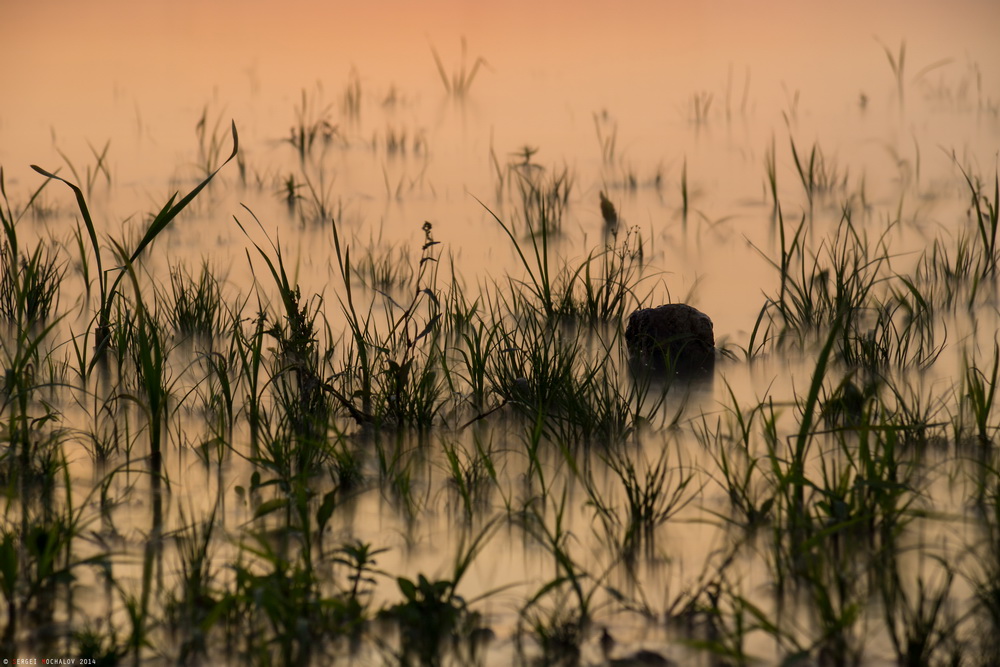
549,375
741,471
477,345
903,334
559,611
950,274
92,174
610,278
299,383
433,615
194,305
607,137
460,82
824,483
544,197
318,205
166,215
314,127
986,218
699,107
29,281
193,608
963,271
32,453
350,98
601,287
38,565
473,475
654,493
983,574
506,407
838,281
386,269
211,142
920,622
819,175
978,394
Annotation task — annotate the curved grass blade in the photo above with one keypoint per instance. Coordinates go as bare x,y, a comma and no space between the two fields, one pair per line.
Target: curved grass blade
88,221
170,210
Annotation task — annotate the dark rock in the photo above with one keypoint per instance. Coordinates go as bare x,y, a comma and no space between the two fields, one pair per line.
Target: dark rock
674,337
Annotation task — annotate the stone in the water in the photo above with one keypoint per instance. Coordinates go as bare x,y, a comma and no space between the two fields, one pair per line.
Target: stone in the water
672,337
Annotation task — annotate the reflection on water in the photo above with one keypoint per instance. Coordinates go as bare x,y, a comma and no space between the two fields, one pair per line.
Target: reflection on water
253,467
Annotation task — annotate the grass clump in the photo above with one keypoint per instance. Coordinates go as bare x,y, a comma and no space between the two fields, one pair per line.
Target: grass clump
433,616
398,396
194,306
29,281
166,215
459,83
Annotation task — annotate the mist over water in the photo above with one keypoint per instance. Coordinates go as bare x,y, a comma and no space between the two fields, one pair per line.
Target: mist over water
768,163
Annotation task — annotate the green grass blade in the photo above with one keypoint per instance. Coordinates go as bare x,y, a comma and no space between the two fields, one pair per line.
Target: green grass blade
87,219
169,212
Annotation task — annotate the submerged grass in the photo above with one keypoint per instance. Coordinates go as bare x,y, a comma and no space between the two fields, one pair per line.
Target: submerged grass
459,83
166,215
515,396
825,484
29,281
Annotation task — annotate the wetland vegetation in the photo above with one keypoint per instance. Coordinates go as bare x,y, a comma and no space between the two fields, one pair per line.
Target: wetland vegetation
358,449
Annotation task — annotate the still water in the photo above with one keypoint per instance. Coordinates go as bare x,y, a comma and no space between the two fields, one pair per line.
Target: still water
692,119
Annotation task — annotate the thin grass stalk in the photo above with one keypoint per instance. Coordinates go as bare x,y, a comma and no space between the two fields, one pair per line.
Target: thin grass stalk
539,275
359,328
805,433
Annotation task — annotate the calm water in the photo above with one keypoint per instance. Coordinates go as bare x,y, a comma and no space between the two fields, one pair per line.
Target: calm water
635,102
